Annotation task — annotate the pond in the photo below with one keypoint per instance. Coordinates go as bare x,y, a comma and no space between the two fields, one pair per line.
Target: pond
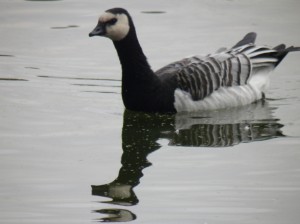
71,153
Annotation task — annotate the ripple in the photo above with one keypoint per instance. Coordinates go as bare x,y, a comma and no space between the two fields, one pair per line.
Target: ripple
6,55
153,12
32,68
96,85
12,79
42,0
77,78
64,27
106,92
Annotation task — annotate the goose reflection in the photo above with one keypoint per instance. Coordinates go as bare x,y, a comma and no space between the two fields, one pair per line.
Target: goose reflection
141,132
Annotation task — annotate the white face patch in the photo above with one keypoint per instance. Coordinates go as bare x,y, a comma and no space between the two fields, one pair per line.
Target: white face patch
116,31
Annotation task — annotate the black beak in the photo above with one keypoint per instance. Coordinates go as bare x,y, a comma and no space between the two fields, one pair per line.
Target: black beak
98,31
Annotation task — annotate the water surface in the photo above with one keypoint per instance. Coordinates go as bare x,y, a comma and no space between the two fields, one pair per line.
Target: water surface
70,153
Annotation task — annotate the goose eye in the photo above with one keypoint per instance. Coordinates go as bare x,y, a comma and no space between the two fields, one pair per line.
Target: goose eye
112,21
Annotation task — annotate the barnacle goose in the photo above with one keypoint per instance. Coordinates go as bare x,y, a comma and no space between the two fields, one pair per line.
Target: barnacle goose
228,78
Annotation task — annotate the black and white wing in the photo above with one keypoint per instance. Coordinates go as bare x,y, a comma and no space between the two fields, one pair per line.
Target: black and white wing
200,76
202,79
244,66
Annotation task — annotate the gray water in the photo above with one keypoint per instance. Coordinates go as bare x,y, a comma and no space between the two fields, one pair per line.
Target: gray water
70,153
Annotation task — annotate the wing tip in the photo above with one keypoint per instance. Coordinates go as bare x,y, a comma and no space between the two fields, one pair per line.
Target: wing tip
249,38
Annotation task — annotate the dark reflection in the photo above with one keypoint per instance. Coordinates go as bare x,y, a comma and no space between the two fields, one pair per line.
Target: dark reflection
116,215
226,127
139,136
141,132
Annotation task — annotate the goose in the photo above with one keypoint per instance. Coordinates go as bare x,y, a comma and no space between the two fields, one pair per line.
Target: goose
227,78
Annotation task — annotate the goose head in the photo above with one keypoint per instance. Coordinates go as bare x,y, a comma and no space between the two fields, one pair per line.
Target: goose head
113,23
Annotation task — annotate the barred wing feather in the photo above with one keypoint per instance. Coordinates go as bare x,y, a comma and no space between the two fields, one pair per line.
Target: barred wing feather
227,78
201,76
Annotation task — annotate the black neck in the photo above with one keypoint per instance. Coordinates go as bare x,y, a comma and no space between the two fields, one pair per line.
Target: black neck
138,80
131,56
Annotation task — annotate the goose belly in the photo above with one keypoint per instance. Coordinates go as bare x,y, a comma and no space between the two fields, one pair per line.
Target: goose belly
224,97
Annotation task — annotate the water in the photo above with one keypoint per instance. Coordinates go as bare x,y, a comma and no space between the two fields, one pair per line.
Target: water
69,153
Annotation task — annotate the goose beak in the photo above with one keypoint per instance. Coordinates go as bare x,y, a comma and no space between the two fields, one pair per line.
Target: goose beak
98,31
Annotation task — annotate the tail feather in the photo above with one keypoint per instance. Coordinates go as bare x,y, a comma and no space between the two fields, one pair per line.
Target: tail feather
280,47
292,48
262,56
248,39
274,56
282,52
262,59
